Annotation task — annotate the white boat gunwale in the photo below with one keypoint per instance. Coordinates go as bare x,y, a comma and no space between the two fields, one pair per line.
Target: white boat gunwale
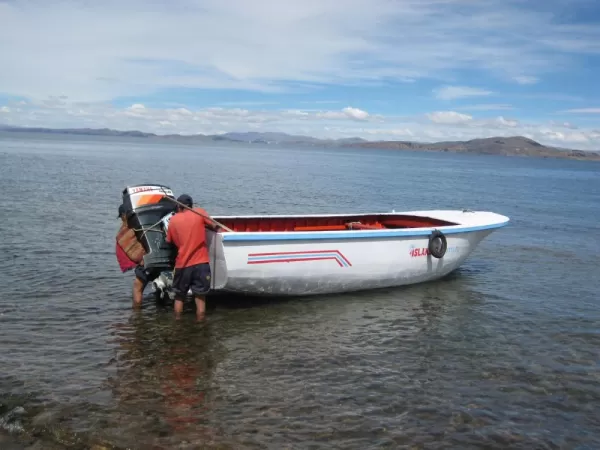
360,234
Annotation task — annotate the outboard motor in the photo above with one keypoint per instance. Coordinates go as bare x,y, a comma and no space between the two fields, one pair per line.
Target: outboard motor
147,207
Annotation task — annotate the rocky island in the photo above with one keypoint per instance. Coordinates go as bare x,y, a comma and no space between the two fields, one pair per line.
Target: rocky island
507,146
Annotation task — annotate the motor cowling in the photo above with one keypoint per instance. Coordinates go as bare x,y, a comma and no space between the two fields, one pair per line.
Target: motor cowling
146,206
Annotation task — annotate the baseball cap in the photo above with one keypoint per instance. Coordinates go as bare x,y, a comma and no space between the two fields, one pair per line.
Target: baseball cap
122,210
186,200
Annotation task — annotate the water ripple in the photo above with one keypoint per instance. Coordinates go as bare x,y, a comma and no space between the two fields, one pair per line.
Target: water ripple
502,354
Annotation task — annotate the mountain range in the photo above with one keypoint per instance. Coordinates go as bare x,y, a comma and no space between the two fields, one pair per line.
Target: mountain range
507,146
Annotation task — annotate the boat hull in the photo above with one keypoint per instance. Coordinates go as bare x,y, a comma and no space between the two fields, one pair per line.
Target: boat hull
300,268
301,263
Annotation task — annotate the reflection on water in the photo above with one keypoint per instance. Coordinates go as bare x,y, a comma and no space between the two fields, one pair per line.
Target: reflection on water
162,386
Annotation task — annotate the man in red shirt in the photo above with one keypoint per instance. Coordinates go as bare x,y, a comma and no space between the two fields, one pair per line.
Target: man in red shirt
192,269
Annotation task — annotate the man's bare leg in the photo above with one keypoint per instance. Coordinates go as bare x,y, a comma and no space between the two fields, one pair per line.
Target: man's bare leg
138,292
178,307
200,307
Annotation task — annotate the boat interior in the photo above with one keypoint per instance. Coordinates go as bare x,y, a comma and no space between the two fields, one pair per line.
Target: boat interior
330,223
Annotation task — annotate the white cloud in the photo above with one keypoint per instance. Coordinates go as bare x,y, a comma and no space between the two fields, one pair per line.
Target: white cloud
96,51
456,92
5,109
355,113
449,117
563,125
391,133
335,123
577,137
510,123
465,120
523,79
345,113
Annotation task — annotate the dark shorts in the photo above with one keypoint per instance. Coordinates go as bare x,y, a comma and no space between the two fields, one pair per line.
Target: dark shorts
146,275
197,278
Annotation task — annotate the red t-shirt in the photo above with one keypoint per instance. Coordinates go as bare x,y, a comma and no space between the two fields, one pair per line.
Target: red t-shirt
186,230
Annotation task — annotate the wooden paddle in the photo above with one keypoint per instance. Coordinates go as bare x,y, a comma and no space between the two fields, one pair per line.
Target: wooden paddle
200,214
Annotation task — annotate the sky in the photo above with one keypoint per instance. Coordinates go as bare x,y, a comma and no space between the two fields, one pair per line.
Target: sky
417,70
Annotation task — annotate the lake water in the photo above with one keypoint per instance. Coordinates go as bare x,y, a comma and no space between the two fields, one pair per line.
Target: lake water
503,354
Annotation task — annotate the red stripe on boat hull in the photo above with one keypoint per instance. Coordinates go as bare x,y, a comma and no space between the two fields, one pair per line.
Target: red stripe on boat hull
296,260
292,259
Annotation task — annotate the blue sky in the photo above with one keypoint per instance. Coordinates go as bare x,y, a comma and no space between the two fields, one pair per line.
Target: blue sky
422,70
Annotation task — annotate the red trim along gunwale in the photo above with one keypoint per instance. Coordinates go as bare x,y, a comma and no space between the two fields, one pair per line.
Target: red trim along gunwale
330,223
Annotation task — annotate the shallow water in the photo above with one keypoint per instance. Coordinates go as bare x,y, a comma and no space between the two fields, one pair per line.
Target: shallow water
502,354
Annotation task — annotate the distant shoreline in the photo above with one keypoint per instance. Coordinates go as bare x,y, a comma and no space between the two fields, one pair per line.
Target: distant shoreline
501,146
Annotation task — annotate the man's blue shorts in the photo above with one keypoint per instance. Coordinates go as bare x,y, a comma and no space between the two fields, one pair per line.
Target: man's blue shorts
146,275
197,278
